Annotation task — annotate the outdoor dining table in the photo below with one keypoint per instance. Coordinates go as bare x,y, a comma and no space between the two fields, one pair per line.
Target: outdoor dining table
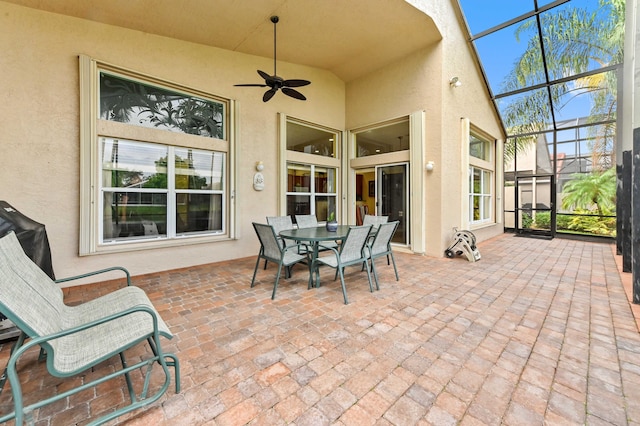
314,236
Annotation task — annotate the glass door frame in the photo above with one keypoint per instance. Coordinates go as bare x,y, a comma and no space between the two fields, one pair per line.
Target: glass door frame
404,216
520,210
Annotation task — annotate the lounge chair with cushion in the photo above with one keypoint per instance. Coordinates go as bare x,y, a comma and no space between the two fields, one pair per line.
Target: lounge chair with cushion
77,338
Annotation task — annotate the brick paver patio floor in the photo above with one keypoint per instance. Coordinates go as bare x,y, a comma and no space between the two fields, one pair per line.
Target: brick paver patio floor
537,332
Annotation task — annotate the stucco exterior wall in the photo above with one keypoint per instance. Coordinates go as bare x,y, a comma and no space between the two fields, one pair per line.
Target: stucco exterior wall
40,141
420,82
39,136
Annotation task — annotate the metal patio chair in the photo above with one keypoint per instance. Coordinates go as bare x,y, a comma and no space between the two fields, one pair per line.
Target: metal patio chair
350,252
77,338
306,220
283,255
380,246
374,221
280,223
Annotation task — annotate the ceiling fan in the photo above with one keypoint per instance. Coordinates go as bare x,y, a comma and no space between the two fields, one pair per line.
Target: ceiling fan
276,82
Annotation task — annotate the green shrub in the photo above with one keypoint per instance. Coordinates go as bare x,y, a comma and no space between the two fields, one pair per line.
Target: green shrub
563,221
583,222
542,220
592,224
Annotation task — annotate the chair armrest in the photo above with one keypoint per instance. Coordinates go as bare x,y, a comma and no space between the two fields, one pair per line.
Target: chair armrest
101,271
329,248
43,340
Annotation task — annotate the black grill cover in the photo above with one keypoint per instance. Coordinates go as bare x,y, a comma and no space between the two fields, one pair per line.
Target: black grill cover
31,235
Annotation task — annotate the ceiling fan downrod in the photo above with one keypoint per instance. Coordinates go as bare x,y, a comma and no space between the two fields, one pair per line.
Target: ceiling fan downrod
275,20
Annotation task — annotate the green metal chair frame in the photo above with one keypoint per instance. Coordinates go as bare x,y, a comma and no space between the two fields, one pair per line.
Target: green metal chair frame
283,255
77,338
351,252
380,246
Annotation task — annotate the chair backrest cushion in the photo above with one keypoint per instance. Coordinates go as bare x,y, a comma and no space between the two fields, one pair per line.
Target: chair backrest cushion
270,247
353,244
306,220
28,296
382,240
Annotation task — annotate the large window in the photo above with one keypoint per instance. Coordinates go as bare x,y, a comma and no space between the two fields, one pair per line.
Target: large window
481,180
155,161
391,137
311,190
312,169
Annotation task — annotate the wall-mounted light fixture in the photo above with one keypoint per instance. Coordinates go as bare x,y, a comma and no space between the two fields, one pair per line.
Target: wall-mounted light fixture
259,166
429,166
455,82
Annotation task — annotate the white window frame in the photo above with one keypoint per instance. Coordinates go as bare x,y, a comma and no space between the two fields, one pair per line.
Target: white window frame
312,193
487,171
308,159
93,129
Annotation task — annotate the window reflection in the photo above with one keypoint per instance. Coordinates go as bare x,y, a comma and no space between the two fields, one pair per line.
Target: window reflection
311,196
197,169
381,140
311,140
136,188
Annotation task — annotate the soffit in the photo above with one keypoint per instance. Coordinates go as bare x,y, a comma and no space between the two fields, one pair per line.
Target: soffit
349,38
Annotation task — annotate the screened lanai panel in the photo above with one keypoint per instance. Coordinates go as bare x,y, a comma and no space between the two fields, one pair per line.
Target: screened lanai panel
557,45
526,112
578,29
517,43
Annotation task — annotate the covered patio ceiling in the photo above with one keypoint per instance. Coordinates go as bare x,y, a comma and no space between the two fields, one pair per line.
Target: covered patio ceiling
349,38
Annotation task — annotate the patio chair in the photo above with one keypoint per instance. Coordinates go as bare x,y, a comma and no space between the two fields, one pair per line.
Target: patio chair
306,220
77,338
374,221
270,249
280,223
380,246
350,252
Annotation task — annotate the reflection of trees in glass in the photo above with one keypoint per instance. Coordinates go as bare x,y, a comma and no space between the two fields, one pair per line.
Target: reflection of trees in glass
183,181
574,39
127,101
588,190
126,178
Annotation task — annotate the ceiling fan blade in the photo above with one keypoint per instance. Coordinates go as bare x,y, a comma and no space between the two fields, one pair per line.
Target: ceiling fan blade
264,75
295,83
269,94
293,93
250,85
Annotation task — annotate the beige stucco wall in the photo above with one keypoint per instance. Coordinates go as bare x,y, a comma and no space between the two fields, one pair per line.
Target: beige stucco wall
40,123
39,136
420,82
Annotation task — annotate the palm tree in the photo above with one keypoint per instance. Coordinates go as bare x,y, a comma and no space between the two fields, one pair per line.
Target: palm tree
573,40
587,190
